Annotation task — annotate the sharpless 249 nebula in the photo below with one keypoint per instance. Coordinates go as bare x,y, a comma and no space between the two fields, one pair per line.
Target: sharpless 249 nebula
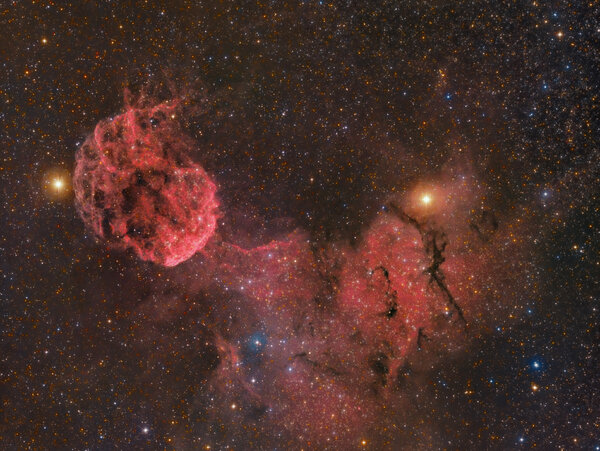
300,225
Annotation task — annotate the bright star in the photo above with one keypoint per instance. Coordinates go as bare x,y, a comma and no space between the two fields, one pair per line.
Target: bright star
426,199
58,184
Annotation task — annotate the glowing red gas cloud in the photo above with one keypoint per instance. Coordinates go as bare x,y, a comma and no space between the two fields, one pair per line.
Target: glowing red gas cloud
136,187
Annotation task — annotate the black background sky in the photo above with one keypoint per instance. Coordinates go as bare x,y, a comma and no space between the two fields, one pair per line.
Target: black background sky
317,112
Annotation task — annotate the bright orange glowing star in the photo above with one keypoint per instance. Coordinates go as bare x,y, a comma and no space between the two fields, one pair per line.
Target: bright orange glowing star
426,199
58,184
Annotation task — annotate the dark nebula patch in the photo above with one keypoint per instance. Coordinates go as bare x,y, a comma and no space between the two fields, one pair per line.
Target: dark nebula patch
136,187
408,215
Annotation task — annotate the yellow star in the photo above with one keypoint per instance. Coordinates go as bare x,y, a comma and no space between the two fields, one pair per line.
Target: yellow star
426,199
58,184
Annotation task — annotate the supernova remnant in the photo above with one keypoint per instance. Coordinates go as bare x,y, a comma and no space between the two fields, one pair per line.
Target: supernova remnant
136,186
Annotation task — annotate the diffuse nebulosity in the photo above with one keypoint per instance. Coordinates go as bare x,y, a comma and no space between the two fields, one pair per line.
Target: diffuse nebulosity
318,338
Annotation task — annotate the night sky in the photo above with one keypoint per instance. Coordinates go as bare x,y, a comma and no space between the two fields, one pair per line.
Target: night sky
273,225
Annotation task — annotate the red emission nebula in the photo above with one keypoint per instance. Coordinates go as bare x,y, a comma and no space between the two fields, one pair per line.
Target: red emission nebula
319,336
136,187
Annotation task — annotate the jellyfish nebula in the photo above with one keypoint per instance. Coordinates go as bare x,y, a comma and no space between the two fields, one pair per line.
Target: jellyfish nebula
136,186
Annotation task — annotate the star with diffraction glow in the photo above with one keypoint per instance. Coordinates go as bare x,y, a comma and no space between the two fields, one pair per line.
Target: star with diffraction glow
426,199
58,184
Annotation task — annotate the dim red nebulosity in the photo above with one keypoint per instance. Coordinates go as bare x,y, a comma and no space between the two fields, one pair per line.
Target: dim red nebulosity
136,187
315,336
327,340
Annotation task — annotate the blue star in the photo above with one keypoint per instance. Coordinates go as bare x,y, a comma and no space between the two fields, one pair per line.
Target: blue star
537,364
256,342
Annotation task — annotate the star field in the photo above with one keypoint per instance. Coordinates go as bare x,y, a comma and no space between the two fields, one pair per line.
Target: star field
406,251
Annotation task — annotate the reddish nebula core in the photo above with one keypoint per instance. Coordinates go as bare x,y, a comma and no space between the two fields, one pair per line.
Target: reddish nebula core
136,187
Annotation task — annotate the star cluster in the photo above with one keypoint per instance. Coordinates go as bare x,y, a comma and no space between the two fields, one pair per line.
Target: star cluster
405,253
